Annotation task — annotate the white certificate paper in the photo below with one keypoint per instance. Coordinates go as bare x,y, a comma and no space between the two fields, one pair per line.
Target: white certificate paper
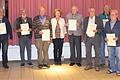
104,22
46,35
3,28
110,41
72,25
25,28
90,29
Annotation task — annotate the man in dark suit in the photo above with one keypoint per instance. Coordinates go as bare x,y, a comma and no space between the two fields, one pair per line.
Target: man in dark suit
113,27
4,38
92,40
24,39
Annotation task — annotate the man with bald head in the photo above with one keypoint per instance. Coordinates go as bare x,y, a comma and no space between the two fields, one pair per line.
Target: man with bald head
75,36
24,40
113,27
92,40
4,38
42,22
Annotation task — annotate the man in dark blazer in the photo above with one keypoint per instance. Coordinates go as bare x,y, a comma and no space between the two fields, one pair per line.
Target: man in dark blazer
113,27
24,40
92,41
4,38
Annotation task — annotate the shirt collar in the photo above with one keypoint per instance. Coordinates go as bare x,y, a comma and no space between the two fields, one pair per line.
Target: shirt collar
92,17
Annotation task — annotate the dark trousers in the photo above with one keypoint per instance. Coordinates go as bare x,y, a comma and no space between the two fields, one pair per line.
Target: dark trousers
89,43
58,45
25,42
102,46
75,46
4,43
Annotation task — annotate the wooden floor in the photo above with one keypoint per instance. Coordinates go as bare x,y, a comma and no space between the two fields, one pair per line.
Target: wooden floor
64,72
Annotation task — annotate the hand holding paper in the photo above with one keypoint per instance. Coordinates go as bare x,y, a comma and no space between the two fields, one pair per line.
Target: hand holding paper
46,35
72,25
3,28
40,32
91,30
111,39
25,29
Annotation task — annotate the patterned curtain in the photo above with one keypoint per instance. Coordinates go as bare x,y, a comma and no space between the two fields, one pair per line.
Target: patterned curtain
32,7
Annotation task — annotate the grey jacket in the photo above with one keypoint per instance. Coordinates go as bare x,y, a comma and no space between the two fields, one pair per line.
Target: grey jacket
79,19
99,28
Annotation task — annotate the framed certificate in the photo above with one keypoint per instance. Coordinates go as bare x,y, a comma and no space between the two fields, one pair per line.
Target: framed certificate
25,28
46,35
90,29
3,28
111,41
72,25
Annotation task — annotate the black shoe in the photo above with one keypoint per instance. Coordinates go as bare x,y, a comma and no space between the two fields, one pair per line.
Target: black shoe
79,64
97,69
118,74
71,64
60,63
5,66
45,65
30,64
22,64
40,66
56,62
88,68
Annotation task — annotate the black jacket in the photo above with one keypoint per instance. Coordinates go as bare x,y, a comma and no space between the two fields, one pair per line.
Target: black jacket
99,28
17,25
8,29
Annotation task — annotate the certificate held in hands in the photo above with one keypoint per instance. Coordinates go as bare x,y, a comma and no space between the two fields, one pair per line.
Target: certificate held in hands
90,29
111,41
3,29
72,25
46,35
25,28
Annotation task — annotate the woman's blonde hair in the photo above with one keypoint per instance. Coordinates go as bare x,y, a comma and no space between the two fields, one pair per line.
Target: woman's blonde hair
58,11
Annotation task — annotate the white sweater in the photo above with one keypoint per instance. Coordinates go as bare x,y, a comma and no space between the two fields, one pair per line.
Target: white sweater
62,27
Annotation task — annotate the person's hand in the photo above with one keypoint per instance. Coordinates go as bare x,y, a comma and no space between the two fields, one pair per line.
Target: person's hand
10,41
40,32
30,29
95,31
19,30
106,39
116,38
78,24
49,42
66,24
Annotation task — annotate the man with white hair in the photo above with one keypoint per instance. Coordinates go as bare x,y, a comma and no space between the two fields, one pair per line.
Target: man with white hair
42,22
75,36
92,40
113,27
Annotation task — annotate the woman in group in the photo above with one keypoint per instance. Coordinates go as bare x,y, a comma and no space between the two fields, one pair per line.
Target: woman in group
58,34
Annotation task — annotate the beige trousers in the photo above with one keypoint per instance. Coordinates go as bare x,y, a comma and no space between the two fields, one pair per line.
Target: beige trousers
42,48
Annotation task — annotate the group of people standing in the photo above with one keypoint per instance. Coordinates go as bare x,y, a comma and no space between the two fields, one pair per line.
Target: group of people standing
58,27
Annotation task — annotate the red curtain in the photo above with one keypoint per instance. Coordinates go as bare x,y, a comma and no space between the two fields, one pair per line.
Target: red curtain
32,7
